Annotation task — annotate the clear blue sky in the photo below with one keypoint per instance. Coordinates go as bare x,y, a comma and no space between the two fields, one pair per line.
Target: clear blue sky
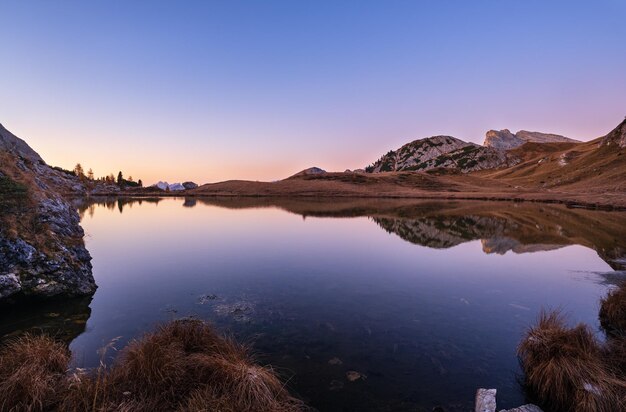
258,90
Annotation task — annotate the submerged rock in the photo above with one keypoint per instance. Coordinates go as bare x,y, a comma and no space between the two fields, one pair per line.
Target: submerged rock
335,361
355,376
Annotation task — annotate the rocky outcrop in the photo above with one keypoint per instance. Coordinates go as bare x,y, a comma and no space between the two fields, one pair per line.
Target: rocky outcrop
190,185
310,171
42,252
13,144
505,140
501,140
486,402
412,155
441,152
616,137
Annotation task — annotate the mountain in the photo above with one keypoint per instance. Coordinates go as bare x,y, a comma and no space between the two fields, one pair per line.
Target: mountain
448,152
595,167
505,140
42,252
441,152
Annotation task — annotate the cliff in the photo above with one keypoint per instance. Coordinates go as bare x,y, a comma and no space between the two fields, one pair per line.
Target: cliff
505,140
42,252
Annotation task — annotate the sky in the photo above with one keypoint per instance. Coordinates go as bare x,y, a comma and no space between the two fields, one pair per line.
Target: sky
216,90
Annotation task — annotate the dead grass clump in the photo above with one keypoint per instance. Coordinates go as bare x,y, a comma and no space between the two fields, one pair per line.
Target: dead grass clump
613,312
566,369
182,366
32,373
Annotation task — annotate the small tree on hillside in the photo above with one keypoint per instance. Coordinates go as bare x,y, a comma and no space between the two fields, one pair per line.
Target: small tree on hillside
120,178
90,174
140,183
78,170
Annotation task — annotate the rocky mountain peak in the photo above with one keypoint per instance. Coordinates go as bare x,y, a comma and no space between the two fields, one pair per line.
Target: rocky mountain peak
502,139
505,140
440,152
412,155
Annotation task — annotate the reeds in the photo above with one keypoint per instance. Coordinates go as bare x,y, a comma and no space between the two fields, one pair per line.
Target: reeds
182,366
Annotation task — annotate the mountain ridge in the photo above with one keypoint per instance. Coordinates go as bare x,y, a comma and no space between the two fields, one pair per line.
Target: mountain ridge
452,153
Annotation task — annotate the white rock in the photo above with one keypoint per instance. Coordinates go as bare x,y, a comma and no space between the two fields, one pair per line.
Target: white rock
485,400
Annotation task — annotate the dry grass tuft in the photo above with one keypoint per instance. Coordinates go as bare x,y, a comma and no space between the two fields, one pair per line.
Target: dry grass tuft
567,368
182,366
32,373
613,312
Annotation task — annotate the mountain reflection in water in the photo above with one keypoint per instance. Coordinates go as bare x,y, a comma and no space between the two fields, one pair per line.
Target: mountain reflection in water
501,226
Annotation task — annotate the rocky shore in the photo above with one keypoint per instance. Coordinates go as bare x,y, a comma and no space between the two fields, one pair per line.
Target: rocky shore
42,251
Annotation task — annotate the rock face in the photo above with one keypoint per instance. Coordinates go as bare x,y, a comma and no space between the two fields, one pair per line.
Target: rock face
190,185
441,152
42,252
616,137
505,140
11,143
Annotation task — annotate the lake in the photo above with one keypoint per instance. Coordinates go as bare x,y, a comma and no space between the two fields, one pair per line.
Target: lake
425,300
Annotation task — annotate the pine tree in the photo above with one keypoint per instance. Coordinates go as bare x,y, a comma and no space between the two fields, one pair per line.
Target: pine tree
78,170
90,174
140,183
120,178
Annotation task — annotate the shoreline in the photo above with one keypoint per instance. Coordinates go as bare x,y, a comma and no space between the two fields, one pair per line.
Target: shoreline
570,203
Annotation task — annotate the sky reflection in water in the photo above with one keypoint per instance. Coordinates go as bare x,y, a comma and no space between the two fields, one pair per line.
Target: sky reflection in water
426,325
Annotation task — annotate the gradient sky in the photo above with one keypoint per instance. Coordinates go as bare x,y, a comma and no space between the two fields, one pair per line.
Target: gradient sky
209,91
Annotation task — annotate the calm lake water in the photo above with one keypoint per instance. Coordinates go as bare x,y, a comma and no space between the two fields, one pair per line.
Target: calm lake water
426,300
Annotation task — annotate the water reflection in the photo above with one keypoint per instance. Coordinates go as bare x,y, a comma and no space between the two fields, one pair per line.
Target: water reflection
500,226
425,310
64,319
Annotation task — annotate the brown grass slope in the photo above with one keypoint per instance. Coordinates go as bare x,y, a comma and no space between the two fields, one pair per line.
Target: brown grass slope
182,366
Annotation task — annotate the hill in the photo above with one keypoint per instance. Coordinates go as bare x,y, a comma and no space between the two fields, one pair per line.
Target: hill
440,152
